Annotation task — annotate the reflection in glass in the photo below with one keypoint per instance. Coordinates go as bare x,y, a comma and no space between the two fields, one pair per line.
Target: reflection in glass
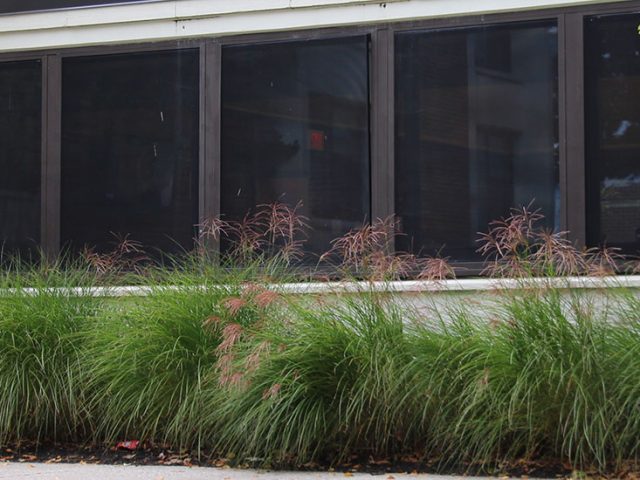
476,132
20,139
612,68
295,129
130,149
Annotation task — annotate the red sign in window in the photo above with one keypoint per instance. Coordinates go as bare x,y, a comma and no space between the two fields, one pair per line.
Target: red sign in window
316,140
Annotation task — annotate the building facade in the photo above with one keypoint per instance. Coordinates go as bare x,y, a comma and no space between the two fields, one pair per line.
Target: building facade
144,118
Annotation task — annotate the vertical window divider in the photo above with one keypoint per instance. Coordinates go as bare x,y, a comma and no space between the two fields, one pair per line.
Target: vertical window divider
51,154
562,122
210,116
382,124
572,121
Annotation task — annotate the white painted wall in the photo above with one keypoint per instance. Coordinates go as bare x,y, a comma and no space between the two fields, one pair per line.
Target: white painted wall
182,19
476,286
435,300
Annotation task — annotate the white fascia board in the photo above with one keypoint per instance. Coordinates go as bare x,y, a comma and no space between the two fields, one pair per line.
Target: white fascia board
172,11
201,8
86,17
184,19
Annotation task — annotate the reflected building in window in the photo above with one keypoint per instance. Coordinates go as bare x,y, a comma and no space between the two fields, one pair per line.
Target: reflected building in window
612,73
476,132
295,129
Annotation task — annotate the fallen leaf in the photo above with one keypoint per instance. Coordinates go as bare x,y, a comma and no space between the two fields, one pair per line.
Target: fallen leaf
128,445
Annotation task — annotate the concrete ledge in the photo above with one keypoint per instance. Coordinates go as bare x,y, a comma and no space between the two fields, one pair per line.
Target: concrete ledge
316,288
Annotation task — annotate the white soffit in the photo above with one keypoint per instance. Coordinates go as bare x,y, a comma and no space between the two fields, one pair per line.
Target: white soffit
183,19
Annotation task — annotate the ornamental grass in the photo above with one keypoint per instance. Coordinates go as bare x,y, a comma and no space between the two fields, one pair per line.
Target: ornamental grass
218,357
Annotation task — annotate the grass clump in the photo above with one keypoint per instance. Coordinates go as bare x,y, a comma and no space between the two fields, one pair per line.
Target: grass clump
323,386
153,363
41,352
545,377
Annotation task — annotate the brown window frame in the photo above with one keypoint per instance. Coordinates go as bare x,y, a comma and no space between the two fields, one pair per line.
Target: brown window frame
570,22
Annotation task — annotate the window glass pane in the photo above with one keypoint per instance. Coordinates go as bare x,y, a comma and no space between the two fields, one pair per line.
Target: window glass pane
295,128
130,149
476,132
20,140
612,63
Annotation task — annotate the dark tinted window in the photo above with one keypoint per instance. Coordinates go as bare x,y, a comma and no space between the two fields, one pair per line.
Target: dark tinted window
20,139
295,128
476,132
130,149
612,62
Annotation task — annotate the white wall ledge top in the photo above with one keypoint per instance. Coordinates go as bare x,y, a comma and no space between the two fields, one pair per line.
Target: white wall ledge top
406,287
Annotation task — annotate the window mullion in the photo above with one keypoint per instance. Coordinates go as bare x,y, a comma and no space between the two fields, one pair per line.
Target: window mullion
210,114
382,124
51,154
572,116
